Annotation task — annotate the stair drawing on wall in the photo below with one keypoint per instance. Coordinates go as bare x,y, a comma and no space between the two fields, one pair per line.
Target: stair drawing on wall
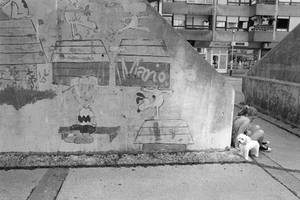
78,58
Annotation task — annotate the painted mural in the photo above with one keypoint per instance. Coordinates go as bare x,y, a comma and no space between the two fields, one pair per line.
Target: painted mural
98,75
143,74
157,133
78,58
83,90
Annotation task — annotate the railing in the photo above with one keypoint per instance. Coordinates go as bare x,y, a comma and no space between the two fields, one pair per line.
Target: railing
270,2
266,28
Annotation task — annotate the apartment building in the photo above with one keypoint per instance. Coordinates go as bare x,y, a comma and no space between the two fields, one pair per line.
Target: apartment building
231,33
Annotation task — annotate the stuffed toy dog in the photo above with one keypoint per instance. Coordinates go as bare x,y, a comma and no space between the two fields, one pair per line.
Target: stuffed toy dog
247,145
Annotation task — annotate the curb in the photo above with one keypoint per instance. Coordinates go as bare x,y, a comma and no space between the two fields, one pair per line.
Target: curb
65,160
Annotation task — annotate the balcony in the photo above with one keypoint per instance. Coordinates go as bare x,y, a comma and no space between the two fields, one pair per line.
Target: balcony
201,35
185,8
231,10
267,7
227,36
266,36
289,10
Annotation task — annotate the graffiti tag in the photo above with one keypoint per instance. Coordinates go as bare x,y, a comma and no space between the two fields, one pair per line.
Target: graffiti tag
143,74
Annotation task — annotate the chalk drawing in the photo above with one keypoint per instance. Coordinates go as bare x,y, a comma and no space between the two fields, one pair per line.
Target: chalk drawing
79,58
43,75
133,25
76,15
16,8
155,100
158,133
140,73
84,90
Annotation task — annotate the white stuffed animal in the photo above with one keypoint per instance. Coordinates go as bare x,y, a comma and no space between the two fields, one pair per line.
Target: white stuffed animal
246,145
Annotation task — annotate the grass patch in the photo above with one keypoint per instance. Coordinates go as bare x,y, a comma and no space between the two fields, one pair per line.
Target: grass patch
19,97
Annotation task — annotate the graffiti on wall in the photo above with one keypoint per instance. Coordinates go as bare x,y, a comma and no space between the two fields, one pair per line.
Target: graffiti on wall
80,58
84,90
81,63
278,100
16,9
140,73
133,25
155,100
21,56
79,16
43,75
18,76
157,133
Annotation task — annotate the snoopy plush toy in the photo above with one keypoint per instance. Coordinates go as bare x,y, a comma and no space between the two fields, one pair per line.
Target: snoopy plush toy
247,145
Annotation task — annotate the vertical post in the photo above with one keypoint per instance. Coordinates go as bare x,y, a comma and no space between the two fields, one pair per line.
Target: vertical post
214,18
259,54
275,19
160,7
232,48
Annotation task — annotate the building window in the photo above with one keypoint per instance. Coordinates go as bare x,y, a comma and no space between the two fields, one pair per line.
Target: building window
168,18
295,2
282,23
284,2
270,2
261,23
202,52
232,23
179,21
289,2
234,2
221,22
244,2
219,59
167,1
223,2
200,1
197,22
243,23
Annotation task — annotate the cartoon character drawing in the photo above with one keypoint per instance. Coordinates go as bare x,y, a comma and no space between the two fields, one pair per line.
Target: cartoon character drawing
133,24
86,126
17,8
160,133
83,90
155,101
76,16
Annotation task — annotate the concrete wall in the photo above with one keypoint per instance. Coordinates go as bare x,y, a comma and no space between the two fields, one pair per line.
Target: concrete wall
282,62
272,85
152,91
280,99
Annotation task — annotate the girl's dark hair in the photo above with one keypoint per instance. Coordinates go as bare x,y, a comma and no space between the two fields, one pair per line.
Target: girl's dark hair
248,111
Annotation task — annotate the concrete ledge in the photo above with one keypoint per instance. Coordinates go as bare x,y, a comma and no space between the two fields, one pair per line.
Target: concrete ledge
272,80
39,160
